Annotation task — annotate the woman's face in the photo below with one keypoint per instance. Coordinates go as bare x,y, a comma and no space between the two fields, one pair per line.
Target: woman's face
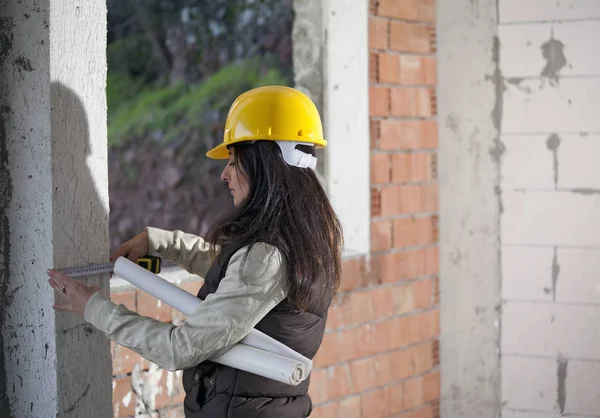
236,179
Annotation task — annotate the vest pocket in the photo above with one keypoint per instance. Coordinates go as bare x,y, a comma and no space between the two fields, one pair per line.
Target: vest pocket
209,384
199,388
192,390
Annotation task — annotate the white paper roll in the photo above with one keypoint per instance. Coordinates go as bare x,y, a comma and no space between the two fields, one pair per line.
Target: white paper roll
158,287
258,339
256,353
263,363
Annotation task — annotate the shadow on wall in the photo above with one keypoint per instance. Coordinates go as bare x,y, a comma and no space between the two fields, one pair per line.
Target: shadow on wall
80,236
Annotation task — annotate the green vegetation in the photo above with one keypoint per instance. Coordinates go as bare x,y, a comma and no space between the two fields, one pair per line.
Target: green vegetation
172,112
176,66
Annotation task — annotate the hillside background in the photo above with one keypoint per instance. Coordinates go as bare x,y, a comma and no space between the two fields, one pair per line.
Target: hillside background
174,68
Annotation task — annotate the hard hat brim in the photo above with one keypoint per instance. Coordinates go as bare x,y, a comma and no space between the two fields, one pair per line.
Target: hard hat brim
220,152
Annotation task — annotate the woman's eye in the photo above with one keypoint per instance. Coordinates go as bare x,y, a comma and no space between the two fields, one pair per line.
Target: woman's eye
231,164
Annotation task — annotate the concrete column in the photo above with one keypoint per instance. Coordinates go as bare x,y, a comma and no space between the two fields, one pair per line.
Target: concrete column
308,51
470,92
331,55
53,204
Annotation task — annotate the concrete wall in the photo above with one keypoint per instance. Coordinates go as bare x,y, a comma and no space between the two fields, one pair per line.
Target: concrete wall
331,66
550,183
53,203
470,101
519,205
345,110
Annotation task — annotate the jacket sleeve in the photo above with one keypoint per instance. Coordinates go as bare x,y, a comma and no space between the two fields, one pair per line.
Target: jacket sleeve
244,296
189,251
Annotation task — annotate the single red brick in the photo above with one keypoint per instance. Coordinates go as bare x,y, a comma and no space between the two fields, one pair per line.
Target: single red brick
412,232
409,37
411,69
379,101
373,67
375,202
430,72
430,133
399,9
411,102
378,33
401,168
426,11
436,291
431,386
423,293
380,168
374,133
389,68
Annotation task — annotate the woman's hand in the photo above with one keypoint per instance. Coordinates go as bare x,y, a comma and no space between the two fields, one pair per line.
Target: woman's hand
133,249
76,293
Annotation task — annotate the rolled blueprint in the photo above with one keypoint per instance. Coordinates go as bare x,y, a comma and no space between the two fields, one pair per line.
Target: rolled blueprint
158,287
256,353
263,363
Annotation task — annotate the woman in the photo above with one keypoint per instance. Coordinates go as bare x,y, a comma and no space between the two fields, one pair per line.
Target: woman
276,265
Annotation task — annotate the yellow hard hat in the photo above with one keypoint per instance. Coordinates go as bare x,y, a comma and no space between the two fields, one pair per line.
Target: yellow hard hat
272,113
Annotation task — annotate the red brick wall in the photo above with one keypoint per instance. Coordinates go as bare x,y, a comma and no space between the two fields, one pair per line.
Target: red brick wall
380,355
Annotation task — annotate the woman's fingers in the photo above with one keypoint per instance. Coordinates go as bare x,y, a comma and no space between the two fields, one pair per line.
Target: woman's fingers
135,254
133,249
76,294
61,279
55,285
122,251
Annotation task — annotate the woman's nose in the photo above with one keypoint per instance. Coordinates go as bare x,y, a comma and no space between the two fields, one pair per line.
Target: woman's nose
224,176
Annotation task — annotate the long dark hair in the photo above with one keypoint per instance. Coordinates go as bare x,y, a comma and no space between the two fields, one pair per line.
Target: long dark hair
286,207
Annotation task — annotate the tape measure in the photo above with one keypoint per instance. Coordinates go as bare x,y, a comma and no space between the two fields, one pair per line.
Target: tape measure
149,262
